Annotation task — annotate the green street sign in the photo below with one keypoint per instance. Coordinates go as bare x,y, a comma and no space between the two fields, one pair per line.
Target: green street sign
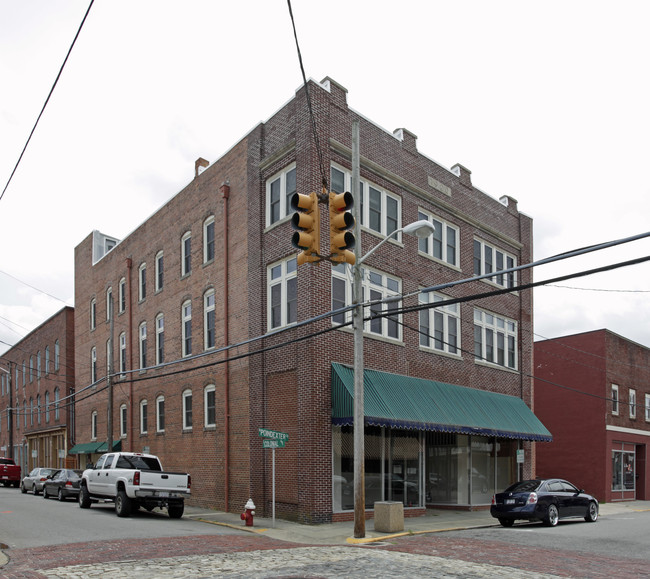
274,434
268,443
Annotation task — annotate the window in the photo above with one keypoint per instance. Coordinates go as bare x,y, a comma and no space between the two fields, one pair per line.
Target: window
38,408
123,420
632,403
56,356
623,470
122,355
93,314
109,357
142,333
143,417
377,286
208,239
440,326
38,364
121,296
160,339
57,402
93,365
159,271
380,209
279,190
24,373
187,410
443,243
160,414
186,254
93,425
47,360
614,399
647,407
488,259
495,339
186,327
209,403
209,319
31,369
47,407
142,281
109,303
282,293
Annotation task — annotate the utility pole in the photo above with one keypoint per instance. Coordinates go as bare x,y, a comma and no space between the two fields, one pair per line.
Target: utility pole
109,380
10,412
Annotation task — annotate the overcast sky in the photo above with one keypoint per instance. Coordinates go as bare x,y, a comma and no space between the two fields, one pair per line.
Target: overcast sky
547,102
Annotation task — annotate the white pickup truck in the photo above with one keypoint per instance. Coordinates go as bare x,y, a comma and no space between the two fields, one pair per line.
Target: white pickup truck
134,480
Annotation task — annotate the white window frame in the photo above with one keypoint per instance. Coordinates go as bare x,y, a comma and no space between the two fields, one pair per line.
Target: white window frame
160,339
210,389
283,203
187,424
47,406
57,402
142,345
647,407
186,254
144,418
207,244
494,325
209,319
186,328
109,303
123,419
481,266
122,361
160,416
121,296
47,360
385,196
615,399
142,282
377,286
159,262
57,357
632,402
93,425
446,235
282,277
439,326
93,365
109,361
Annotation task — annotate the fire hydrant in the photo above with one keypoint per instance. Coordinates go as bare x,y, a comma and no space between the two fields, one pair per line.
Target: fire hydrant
249,513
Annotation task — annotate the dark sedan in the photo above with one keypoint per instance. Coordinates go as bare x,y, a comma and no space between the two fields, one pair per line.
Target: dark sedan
546,500
35,479
63,484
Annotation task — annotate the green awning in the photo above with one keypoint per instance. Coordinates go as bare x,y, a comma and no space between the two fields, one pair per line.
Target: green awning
94,447
397,401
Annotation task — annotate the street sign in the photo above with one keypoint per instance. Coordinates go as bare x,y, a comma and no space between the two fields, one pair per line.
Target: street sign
268,443
266,433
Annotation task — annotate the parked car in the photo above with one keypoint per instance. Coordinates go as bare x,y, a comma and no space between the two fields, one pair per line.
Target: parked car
546,500
35,479
9,472
63,484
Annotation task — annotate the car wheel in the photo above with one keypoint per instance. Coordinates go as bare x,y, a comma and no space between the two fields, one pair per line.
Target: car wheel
44,493
22,488
507,522
84,497
552,516
60,495
122,504
592,513
35,490
176,511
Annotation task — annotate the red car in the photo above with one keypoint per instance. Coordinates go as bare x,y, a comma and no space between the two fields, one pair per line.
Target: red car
9,472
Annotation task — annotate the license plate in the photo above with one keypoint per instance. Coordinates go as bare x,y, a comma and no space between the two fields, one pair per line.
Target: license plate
5,476
164,495
510,501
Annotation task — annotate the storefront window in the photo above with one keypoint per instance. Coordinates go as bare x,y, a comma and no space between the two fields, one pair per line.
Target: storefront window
623,471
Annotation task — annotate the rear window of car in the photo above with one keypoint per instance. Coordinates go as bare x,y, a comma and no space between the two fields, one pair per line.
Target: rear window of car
524,486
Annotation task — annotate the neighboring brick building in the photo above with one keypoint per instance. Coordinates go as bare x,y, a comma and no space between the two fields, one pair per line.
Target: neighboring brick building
592,391
215,267
37,389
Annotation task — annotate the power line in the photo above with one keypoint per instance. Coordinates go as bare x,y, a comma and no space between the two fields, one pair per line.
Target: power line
46,101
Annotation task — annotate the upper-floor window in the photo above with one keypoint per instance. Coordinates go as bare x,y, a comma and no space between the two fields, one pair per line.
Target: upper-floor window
31,411
38,364
93,425
109,303
488,259
614,399
57,352
142,281
208,239
632,403
47,406
122,355
93,314
186,328
440,325
24,373
47,360
279,190
209,404
38,408
443,243
379,288
186,253
31,368
380,209
123,420
160,339
93,365
187,410
121,296
143,417
109,357
647,407
160,414
495,339
209,320
57,402
142,340
159,271
282,293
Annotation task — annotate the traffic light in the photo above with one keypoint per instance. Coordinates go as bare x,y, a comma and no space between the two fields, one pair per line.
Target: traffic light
341,222
307,222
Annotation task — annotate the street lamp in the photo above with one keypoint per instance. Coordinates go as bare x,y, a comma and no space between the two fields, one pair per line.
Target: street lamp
420,229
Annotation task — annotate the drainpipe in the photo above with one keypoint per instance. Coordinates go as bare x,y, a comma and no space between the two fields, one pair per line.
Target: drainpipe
129,267
225,193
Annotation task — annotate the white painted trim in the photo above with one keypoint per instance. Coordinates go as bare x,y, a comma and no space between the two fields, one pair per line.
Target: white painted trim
627,430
